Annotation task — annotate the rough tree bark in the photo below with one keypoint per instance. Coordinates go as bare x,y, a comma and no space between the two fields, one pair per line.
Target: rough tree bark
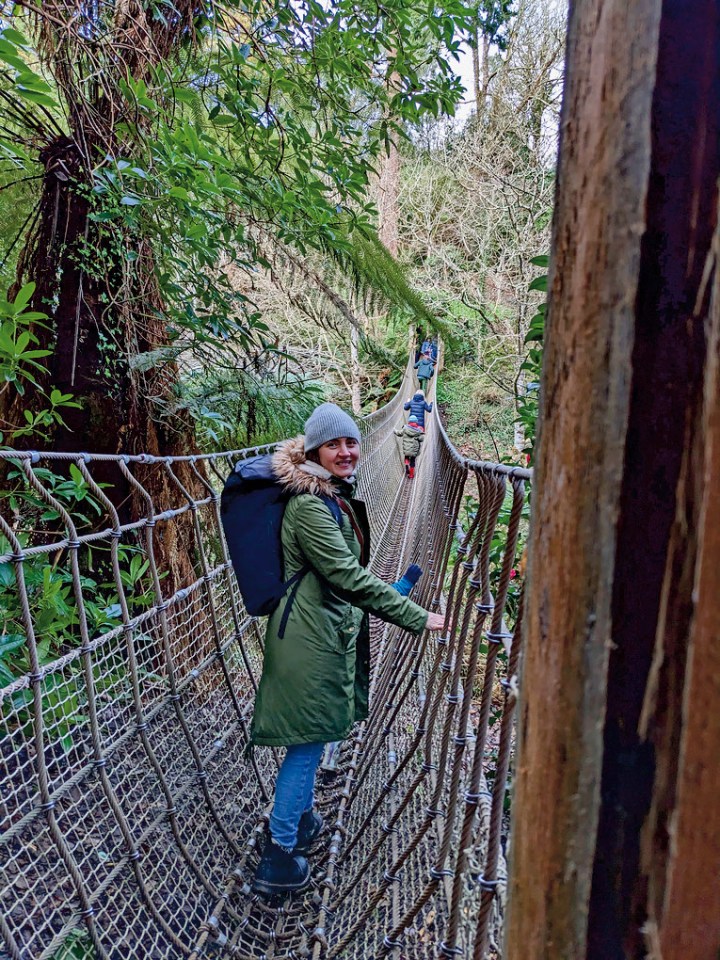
355,371
96,329
103,312
388,185
616,841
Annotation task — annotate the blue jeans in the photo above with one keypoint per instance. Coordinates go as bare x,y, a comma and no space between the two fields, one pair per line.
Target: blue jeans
294,791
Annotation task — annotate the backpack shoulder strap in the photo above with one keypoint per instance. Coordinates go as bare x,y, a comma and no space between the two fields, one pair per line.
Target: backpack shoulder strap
337,508
333,506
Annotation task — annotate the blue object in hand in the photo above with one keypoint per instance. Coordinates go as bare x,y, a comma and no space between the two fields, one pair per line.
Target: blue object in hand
408,580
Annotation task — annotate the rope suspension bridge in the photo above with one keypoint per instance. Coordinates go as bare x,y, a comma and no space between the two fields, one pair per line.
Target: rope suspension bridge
131,816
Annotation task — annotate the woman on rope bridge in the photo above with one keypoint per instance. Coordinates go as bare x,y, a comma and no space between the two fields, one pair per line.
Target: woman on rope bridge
316,669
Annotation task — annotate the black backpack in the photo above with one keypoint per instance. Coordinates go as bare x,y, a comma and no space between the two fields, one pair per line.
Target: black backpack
252,507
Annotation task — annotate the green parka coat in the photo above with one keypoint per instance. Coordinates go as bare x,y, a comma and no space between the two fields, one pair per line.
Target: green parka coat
316,669
412,437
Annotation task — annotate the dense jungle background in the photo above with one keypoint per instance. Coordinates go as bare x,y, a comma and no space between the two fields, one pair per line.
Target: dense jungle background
213,217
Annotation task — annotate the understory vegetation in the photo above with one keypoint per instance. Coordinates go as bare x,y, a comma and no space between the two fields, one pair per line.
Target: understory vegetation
244,211
191,243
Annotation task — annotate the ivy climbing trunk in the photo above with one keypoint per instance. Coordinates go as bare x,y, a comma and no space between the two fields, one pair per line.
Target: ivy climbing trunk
616,841
102,313
96,278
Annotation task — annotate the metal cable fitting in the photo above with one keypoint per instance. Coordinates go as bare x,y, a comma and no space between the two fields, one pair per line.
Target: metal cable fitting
448,951
487,884
392,944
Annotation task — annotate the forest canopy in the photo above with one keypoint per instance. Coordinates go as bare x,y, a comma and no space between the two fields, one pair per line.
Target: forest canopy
211,211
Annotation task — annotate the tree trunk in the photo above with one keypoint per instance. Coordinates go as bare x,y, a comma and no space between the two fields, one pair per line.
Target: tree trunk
355,371
475,47
388,187
485,88
98,321
518,427
616,842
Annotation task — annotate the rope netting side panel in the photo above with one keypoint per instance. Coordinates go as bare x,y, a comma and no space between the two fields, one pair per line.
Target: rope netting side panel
131,815
418,868
126,799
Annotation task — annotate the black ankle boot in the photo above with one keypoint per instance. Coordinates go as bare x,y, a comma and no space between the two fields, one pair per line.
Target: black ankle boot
280,872
311,823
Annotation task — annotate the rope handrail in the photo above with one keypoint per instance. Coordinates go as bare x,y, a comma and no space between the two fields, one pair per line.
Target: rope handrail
129,816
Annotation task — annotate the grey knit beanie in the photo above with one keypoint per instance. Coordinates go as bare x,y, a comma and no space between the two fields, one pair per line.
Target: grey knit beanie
328,422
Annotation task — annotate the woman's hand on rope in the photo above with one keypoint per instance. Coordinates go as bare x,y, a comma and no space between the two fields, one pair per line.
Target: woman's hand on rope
435,621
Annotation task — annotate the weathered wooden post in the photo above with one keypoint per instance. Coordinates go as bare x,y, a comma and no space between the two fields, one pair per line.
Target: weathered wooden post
616,841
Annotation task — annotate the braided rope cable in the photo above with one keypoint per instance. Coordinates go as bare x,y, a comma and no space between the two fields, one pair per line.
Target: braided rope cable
131,818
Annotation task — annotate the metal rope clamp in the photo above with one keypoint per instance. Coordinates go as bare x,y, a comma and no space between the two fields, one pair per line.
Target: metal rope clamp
392,944
448,951
489,885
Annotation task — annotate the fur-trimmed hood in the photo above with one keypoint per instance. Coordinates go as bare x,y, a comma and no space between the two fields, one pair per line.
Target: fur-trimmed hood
301,475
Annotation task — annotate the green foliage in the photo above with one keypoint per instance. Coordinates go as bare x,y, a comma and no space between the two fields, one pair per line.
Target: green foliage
529,402
256,129
239,408
493,19
24,93
51,596
374,269
479,414
20,364
78,946
286,143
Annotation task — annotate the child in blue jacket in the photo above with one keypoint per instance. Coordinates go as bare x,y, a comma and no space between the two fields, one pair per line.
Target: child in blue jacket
418,406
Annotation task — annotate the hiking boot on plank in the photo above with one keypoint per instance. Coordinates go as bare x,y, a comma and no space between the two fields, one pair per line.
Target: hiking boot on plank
280,872
311,823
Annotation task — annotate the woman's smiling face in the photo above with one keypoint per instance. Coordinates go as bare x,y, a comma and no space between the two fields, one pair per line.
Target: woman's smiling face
340,456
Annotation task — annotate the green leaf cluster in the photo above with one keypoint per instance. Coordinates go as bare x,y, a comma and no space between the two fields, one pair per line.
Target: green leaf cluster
20,364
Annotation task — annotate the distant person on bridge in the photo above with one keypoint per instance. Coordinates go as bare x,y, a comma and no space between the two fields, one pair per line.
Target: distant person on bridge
430,347
418,407
412,437
425,370
316,669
